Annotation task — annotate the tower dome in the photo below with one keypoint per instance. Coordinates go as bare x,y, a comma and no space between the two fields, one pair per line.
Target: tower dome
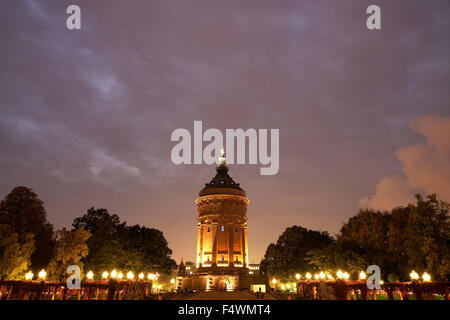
222,183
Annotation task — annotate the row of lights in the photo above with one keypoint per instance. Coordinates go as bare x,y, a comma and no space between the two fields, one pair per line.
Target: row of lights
345,275
415,276
90,275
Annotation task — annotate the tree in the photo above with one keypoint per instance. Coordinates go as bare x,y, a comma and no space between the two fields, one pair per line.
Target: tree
427,244
288,256
149,247
24,211
69,249
115,245
366,233
413,237
15,253
105,249
337,256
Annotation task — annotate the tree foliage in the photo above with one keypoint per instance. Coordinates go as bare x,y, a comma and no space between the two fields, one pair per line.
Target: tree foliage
414,237
70,247
15,253
24,211
287,256
115,245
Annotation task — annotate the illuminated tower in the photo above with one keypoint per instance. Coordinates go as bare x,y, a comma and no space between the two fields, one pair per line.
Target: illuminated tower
222,224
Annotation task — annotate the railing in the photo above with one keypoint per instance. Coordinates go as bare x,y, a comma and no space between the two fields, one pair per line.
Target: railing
348,290
90,290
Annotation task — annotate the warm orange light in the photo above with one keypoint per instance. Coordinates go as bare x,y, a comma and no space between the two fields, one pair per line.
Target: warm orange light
414,275
29,275
426,277
42,274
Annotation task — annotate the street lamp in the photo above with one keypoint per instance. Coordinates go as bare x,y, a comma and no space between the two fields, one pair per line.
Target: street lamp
114,274
414,275
274,281
120,275
362,275
340,274
322,275
141,275
90,275
172,281
426,277
105,275
29,275
130,275
298,276
308,275
346,275
316,276
42,274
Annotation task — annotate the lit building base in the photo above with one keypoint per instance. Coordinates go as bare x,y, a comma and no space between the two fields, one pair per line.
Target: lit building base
221,282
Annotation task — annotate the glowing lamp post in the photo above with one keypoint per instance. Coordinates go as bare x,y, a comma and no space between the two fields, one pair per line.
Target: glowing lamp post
340,274
316,276
151,276
426,277
105,275
330,277
90,275
322,275
42,274
29,275
362,275
414,276
130,275
120,276
298,276
308,275
141,276
172,281
346,276
114,274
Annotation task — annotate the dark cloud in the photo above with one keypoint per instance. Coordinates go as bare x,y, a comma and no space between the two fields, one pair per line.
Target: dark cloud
86,116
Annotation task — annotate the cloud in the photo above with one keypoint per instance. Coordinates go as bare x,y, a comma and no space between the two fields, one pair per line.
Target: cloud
106,167
426,167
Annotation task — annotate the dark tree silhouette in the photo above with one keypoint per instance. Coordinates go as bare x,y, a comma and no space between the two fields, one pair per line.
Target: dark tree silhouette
115,245
288,256
24,211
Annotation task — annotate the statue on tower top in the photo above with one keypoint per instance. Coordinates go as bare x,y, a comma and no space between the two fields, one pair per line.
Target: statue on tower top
222,159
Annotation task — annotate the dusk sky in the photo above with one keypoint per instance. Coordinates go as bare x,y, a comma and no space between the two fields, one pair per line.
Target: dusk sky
86,115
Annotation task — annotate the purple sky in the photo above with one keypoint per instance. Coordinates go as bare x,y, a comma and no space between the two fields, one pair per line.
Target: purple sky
86,116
